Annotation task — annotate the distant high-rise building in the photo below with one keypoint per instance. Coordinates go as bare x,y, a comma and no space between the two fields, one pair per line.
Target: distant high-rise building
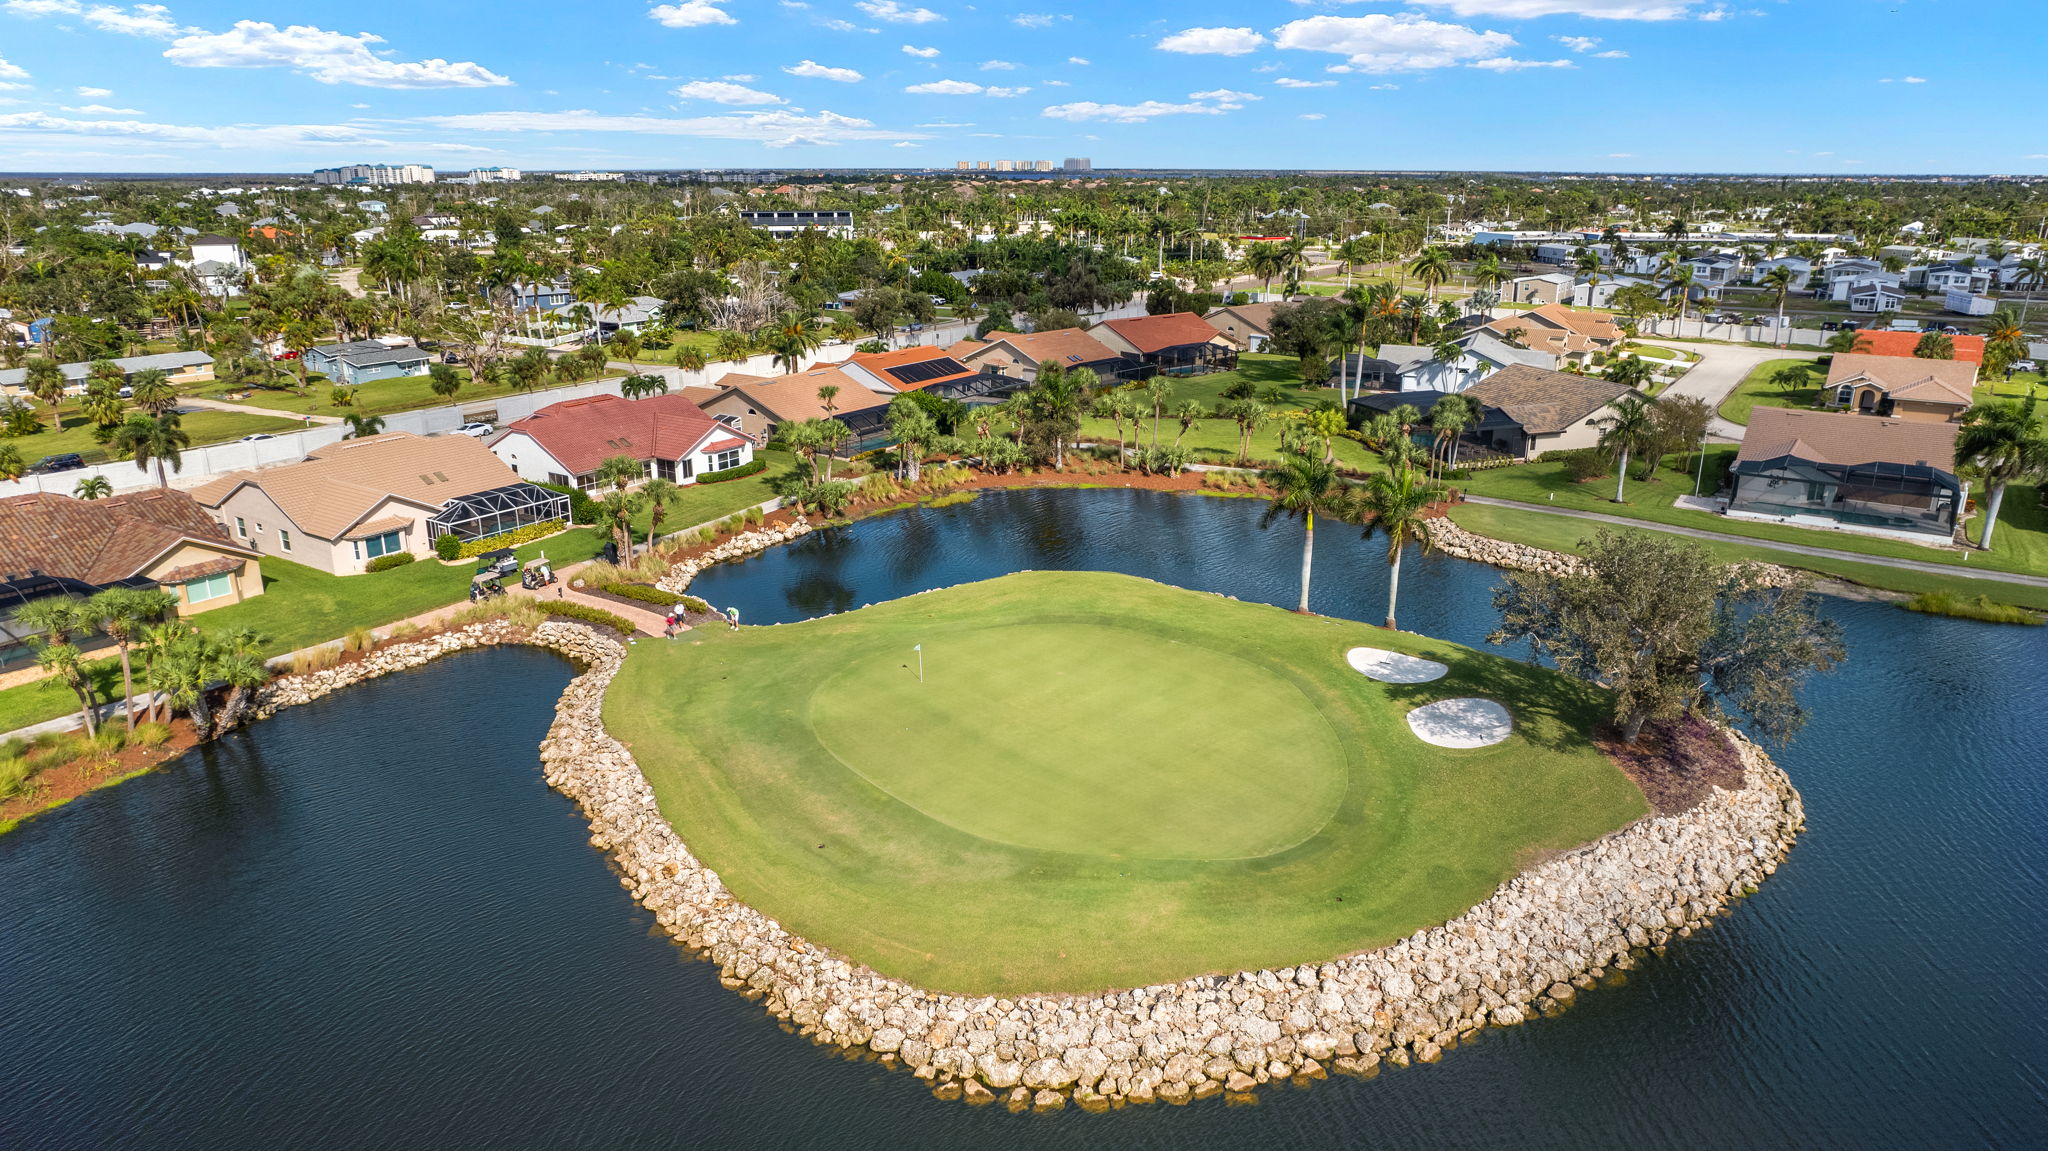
963,165
493,175
1005,166
981,165
1041,165
1078,164
591,177
375,174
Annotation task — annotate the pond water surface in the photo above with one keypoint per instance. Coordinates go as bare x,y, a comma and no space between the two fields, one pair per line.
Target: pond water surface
368,923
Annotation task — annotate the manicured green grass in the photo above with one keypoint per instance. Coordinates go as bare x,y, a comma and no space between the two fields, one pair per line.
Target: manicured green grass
2023,385
1563,534
1101,781
1215,441
2021,542
1757,388
701,503
380,397
205,427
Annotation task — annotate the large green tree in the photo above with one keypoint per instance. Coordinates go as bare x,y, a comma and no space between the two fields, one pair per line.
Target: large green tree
2002,441
1392,503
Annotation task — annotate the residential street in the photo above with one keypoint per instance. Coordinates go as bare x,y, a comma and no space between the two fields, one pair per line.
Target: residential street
1721,368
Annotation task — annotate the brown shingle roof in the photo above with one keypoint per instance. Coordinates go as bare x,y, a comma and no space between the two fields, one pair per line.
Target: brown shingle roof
101,541
1158,333
336,486
1542,401
795,397
1558,329
1847,438
1907,377
1061,345
1253,317
581,434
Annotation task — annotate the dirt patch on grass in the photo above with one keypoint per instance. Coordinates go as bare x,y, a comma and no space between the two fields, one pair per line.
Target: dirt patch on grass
1676,763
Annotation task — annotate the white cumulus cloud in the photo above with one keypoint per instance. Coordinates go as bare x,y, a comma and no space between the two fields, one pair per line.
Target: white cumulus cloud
690,14
1578,43
722,92
812,70
1292,82
998,66
1591,9
1224,96
93,93
329,57
1081,60
1038,20
896,13
1211,42
920,53
1381,43
12,71
152,20
1087,110
1510,64
945,88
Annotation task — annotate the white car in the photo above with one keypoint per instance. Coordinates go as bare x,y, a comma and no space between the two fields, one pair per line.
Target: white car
2025,366
477,430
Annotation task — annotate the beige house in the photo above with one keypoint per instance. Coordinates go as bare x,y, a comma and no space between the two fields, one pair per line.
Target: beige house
1546,411
1019,354
757,405
354,501
1248,327
1567,333
1902,387
51,544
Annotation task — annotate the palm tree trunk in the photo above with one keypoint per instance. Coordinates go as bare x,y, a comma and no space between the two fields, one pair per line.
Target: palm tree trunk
1308,555
1991,515
1393,583
1621,479
127,689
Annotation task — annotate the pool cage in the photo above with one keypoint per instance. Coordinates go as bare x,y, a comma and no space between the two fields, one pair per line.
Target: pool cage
1882,494
487,513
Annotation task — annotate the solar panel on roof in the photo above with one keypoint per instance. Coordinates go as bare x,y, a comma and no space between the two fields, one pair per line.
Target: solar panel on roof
926,370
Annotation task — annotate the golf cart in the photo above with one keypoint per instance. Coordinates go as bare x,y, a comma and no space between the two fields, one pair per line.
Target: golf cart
484,585
498,563
537,573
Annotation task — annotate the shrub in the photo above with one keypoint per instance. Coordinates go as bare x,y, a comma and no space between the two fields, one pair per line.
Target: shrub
448,546
386,562
645,593
1585,464
511,539
952,498
14,775
751,467
1970,607
404,630
582,509
584,613
151,734
318,659
358,639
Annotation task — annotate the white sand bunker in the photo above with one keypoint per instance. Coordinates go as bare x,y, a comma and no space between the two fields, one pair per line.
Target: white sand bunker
1393,667
1465,722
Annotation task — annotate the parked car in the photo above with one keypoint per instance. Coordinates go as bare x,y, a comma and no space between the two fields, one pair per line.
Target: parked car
1951,330
479,430
61,462
2025,366
126,392
258,436
1851,325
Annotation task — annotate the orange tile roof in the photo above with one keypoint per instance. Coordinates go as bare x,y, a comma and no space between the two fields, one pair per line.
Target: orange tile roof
1881,343
1157,333
1060,345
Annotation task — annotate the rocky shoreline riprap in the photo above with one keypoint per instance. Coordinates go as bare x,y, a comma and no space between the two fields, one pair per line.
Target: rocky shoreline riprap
1529,949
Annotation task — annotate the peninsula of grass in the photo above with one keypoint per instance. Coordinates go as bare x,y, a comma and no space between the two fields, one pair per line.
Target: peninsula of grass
1099,781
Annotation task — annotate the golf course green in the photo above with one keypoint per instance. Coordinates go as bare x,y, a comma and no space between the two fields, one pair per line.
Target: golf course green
1067,782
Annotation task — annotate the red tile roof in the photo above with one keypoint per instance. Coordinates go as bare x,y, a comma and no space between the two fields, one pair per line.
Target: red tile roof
1157,333
102,541
1880,343
581,434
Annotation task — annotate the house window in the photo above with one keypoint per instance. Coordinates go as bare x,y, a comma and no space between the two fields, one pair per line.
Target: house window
730,458
665,469
284,540
241,527
558,479
209,587
686,468
1844,394
375,546
587,482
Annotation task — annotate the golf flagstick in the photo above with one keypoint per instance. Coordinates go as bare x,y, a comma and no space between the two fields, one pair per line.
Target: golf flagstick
919,649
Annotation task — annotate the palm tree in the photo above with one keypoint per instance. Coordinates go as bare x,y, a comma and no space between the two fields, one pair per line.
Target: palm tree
627,344
1056,400
103,406
1265,261
153,440
1678,280
54,620
793,339
92,488
298,336
2003,441
1633,429
1247,415
1432,267
1115,406
658,494
1302,486
1351,253
1392,502
914,431
1779,280
1488,272
44,380
1450,417
11,464
617,509
1158,390
123,614
690,359
635,386
362,425
443,380
153,391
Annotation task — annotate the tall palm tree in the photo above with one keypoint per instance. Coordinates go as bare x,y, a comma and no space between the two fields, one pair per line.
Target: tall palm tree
44,380
123,614
153,440
1450,417
362,425
152,391
103,406
658,493
2003,441
1779,281
1489,272
1678,280
1302,486
1432,267
1351,253
1265,261
1392,503
1633,429
54,621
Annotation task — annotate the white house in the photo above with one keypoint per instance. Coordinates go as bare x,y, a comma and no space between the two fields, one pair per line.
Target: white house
566,443
219,264
1802,270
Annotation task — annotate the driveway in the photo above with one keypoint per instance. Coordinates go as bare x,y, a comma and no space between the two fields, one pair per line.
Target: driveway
248,410
1721,369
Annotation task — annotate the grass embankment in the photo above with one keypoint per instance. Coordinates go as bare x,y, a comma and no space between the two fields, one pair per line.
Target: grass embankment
1758,388
1214,441
1976,607
204,426
302,606
1100,781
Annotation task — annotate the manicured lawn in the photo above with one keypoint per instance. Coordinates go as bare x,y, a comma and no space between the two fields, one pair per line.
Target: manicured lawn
2023,385
1757,388
1560,533
1100,782
381,397
2021,540
1215,441
700,503
205,427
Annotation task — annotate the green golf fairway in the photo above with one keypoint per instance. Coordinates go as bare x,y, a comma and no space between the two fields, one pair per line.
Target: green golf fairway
1101,782
1090,777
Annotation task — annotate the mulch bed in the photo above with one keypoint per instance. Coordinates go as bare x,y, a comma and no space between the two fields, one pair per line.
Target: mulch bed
1677,763
66,782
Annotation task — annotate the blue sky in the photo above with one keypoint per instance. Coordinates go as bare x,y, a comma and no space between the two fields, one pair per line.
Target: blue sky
1836,86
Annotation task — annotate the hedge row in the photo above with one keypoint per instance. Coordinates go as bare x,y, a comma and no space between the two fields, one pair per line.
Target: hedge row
587,614
385,563
648,593
511,539
749,468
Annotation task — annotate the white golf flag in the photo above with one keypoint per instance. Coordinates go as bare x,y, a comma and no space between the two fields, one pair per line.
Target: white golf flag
918,647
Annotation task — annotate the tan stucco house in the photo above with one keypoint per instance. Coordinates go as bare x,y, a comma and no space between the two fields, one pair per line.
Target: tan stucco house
1902,387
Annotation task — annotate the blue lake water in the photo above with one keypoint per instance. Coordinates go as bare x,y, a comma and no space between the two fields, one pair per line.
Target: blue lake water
368,923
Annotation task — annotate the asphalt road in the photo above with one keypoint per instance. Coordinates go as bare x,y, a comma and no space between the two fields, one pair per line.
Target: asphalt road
1721,369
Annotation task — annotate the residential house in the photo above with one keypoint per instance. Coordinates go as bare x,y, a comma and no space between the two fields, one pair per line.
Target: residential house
1248,327
541,297
219,264
1953,277
357,500
1476,441
787,223
1020,354
757,405
1173,342
1566,333
54,544
1550,411
564,444
1802,270
636,316
178,367
1713,271
1892,477
1876,295
1548,288
361,361
1901,387
905,369
1416,368
1597,291
1879,342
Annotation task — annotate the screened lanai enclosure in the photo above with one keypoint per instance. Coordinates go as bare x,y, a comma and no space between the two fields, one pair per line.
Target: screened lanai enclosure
1890,496
487,513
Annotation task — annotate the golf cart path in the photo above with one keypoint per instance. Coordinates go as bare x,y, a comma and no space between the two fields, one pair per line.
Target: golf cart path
1961,570
1721,369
